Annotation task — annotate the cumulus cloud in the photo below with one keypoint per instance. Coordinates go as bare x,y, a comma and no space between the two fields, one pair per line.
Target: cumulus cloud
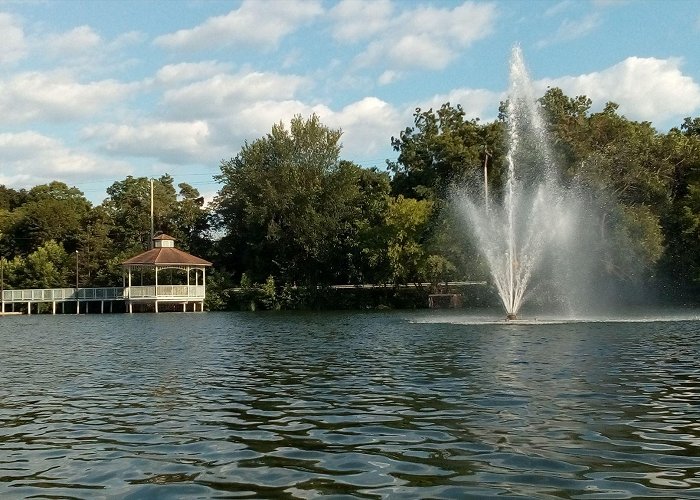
645,88
367,125
255,22
476,103
29,158
186,72
420,37
357,20
55,96
171,142
14,45
73,42
223,94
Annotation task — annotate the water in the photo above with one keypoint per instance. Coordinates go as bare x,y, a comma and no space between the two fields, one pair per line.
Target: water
538,223
401,405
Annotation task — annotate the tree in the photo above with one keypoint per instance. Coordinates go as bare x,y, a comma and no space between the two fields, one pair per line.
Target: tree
49,266
407,220
443,148
50,212
290,208
182,216
681,260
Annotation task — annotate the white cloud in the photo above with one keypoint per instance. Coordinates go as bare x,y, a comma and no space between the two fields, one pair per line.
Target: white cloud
55,96
75,42
572,29
609,3
30,158
356,20
224,94
558,8
424,37
388,77
13,46
645,88
476,103
184,72
367,125
255,22
170,142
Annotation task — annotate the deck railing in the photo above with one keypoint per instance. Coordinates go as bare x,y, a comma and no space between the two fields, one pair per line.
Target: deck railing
165,292
62,294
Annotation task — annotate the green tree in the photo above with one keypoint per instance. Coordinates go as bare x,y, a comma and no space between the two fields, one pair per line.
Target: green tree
288,206
50,212
407,220
49,266
681,261
443,148
180,214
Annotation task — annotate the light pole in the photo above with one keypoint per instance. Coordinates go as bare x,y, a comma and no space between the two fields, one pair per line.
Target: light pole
77,284
486,177
2,283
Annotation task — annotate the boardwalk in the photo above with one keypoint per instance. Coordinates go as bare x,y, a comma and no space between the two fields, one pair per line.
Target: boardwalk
79,298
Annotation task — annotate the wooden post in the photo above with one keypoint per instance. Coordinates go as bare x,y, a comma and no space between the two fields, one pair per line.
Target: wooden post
29,308
53,307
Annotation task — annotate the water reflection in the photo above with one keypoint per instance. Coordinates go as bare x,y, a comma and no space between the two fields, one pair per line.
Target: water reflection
365,405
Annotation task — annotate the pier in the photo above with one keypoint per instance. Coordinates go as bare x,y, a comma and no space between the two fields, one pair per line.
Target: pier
79,300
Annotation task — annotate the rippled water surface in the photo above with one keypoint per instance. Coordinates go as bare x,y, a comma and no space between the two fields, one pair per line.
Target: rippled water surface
366,405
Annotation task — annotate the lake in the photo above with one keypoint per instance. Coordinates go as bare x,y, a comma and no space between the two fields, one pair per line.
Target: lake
376,405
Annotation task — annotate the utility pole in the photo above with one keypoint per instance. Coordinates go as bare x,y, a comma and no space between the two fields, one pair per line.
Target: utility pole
77,284
486,178
2,283
150,242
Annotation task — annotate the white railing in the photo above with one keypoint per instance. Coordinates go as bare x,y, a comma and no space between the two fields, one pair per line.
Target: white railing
114,293
62,294
165,292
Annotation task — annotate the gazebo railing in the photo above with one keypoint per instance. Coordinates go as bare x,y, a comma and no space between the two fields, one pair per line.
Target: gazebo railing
165,292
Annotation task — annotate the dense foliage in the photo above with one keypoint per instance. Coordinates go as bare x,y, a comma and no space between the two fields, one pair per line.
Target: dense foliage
292,217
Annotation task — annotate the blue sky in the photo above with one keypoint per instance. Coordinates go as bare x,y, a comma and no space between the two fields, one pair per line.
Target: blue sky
93,91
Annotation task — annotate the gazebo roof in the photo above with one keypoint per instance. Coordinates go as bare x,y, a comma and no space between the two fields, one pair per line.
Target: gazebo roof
165,256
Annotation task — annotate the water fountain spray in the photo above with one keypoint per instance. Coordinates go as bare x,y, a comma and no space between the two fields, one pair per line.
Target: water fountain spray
514,235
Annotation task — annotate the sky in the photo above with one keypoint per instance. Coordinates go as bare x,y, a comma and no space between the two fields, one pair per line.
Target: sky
93,91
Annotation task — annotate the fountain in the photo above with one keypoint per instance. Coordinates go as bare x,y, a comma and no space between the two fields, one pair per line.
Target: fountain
537,214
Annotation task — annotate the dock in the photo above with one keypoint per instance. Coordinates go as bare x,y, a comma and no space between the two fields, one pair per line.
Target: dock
103,300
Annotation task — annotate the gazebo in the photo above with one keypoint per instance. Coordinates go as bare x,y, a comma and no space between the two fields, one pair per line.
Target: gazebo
165,263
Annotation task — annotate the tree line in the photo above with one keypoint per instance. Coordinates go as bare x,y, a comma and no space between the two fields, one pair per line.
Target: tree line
292,216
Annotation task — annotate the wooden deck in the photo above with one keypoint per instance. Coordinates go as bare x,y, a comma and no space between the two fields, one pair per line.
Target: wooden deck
25,299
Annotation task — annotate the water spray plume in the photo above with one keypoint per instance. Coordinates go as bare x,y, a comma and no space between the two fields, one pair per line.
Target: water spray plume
514,235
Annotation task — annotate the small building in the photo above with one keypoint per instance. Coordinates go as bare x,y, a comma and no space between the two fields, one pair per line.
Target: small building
165,275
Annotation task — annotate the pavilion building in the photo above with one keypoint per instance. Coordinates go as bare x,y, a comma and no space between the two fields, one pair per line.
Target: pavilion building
165,276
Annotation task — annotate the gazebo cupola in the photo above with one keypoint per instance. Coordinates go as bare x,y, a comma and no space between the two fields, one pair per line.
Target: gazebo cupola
187,277
163,241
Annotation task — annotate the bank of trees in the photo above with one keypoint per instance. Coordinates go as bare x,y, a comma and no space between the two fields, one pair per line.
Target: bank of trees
292,214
